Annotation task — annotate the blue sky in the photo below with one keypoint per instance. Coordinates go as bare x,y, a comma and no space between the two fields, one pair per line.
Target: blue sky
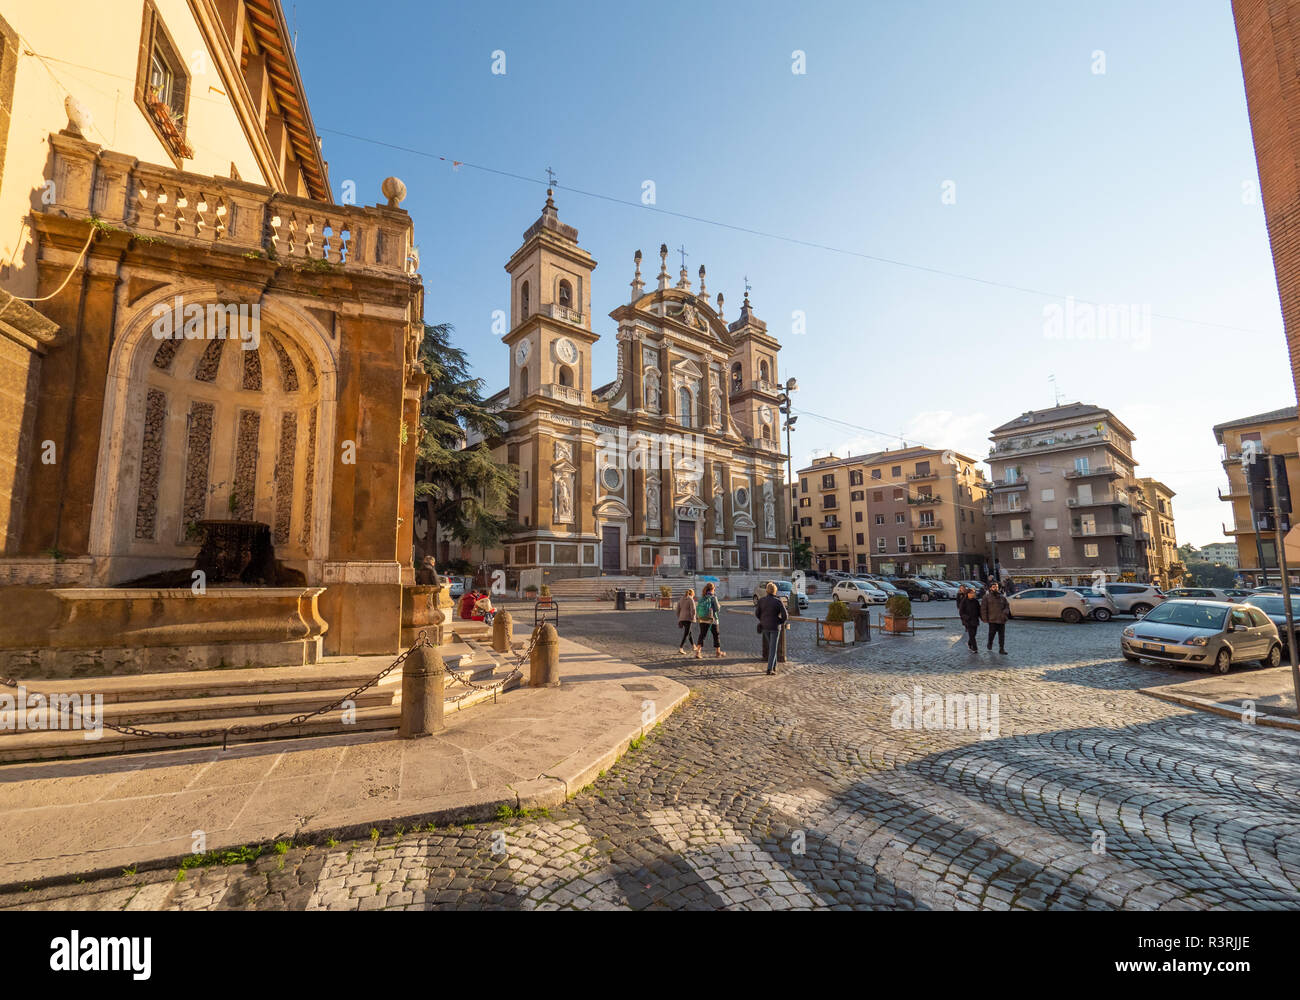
1133,186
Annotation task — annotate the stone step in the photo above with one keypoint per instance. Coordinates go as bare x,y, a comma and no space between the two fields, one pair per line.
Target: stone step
189,724
147,713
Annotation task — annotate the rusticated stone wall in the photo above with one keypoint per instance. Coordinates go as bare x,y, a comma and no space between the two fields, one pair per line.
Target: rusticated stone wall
284,477
198,453
151,456
245,483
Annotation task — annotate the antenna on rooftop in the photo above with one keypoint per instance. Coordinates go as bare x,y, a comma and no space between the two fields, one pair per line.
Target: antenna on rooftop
1056,392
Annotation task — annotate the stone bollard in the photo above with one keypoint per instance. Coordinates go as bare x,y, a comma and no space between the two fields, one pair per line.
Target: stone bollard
423,677
544,661
503,627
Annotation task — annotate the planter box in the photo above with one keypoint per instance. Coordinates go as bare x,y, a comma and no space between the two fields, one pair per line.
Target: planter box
836,633
666,602
898,625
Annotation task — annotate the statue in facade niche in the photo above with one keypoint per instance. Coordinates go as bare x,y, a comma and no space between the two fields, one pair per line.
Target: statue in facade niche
769,510
652,503
564,499
715,410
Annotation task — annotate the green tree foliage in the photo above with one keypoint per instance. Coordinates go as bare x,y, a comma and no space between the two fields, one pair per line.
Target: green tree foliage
461,490
1204,574
803,554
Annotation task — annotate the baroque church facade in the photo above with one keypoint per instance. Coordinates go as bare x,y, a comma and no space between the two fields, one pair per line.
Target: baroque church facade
673,467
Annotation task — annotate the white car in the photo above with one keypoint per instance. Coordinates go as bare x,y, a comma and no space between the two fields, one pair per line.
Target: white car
859,592
1065,605
1134,598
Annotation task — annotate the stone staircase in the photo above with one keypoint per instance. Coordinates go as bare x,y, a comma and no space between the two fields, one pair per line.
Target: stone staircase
189,706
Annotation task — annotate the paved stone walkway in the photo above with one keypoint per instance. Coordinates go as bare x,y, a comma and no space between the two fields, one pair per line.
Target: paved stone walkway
804,790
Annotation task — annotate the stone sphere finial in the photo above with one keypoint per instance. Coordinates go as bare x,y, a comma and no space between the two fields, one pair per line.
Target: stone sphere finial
394,190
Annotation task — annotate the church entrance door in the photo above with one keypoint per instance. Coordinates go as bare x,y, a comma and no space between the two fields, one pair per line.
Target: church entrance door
686,539
609,550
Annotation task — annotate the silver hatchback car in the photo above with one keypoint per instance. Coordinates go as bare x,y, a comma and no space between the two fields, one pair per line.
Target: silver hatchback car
1214,634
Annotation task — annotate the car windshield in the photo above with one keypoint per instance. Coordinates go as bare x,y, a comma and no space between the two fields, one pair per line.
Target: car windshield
1191,615
1270,605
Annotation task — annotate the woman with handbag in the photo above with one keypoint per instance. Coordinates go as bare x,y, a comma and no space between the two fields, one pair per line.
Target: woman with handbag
686,618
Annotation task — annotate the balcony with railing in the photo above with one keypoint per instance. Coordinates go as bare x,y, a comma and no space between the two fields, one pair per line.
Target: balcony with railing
764,444
563,313
917,477
564,393
221,214
1004,508
1026,535
1234,493
936,547
756,385
830,524
1011,483
935,525
1107,471
1066,440
924,499
1100,530
1099,500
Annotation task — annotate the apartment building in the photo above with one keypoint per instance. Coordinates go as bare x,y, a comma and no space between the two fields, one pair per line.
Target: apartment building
1061,505
909,511
1272,433
1220,553
1162,550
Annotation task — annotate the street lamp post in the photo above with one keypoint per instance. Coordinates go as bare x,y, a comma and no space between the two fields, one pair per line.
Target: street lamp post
783,405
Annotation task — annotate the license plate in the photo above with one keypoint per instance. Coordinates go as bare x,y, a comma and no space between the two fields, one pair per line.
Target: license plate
1158,647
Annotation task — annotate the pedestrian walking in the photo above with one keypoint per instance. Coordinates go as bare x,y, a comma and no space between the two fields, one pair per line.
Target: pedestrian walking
772,615
995,610
686,618
707,613
968,608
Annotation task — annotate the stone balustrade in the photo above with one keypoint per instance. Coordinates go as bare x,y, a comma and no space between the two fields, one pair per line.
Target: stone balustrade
152,200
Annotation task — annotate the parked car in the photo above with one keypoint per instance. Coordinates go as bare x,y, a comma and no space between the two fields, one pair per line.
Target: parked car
784,588
937,590
1273,588
859,592
948,587
836,575
1134,598
1067,605
456,586
882,584
1199,593
1203,633
1237,592
1100,607
914,589
1272,606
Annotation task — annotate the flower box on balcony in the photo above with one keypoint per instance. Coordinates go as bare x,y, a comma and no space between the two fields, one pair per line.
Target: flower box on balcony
170,124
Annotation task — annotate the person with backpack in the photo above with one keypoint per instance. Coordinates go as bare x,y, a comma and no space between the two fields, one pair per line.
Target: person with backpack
771,614
707,613
686,618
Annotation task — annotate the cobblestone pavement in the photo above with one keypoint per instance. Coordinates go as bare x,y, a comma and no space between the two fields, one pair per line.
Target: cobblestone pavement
808,790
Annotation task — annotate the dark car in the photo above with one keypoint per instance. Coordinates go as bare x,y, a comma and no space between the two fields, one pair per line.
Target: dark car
914,589
1271,605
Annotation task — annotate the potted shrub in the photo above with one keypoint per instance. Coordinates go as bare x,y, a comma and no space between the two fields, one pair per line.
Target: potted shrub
837,626
545,596
665,596
530,592
898,614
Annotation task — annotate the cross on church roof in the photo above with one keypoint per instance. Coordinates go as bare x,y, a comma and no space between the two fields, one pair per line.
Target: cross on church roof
682,250
550,177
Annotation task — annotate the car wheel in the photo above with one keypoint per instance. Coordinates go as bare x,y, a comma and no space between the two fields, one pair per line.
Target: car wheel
1274,658
1072,616
1223,662
1132,659
925,597
862,603
1102,614
1140,610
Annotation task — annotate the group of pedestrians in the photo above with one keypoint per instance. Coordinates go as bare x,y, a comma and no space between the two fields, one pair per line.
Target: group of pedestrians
705,613
993,609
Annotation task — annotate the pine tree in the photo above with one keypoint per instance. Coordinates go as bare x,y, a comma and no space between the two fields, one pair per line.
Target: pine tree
462,490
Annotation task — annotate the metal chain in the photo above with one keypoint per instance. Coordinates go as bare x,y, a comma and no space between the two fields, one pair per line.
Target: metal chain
297,720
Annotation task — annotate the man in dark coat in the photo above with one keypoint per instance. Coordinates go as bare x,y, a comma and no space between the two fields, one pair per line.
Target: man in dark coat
771,614
995,610
969,610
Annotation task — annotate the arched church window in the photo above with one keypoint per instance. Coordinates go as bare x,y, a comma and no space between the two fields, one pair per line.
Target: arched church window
684,406
762,371
523,381
523,301
767,433
566,295
566,376
737,381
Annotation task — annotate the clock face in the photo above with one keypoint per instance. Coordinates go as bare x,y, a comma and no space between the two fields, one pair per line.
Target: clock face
524,349
566,350
766,414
